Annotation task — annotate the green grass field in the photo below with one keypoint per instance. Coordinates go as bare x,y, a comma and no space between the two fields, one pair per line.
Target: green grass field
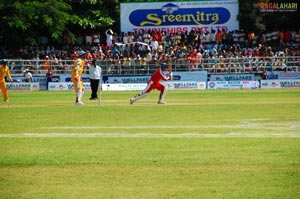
202,144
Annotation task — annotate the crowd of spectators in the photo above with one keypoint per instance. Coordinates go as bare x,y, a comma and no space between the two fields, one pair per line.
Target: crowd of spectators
195,48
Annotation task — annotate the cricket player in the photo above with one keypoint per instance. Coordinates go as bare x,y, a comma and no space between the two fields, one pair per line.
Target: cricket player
4,72
77,70
153,83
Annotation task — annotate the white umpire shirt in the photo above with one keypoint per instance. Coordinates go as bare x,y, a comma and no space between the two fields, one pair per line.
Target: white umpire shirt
95,72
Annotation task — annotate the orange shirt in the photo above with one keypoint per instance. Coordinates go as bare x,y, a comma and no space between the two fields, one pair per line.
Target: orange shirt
47,64
219,36
251,35
281,36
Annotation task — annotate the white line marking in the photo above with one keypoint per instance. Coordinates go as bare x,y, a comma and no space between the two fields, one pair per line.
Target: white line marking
120,127
150,135
291,129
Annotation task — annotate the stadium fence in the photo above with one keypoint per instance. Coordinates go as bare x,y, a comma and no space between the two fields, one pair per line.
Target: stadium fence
213,65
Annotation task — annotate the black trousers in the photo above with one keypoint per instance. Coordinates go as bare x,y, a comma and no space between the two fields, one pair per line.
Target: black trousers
94,87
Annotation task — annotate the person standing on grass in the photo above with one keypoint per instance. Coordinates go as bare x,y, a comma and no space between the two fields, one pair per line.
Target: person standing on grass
95,74
4,72
77,70
153,83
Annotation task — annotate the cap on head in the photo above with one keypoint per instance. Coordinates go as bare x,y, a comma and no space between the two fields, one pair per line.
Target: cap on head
4,61
163,66
80,53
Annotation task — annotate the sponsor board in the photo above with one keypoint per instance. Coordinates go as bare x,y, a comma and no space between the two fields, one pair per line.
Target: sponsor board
172,85
67,78
66,86
283,75
182,16
186,85
233,77
123,87
215,85
284,83
23,86
177,76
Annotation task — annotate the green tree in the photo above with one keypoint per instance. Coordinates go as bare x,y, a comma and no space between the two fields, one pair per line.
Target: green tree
249,16
22,22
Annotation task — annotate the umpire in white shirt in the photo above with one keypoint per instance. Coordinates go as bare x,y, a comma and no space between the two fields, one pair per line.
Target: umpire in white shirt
95,74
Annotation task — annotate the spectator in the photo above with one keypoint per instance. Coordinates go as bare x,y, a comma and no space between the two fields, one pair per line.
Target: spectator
125,38
154,45
193,59
127,63
109,37
218,37
234,44
47,63
130,37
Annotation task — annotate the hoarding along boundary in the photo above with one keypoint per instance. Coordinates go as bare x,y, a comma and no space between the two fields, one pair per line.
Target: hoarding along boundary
24,86
185,16
172,85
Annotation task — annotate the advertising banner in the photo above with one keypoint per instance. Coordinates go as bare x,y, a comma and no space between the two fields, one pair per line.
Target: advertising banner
284,83
23,86
215,85
124,87
283,75
66,86
67,78
178,76
35,79
182,16
172,85
232,77
186,85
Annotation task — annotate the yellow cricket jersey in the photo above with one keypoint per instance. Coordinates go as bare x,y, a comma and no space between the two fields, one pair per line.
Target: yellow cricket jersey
77,68
4,71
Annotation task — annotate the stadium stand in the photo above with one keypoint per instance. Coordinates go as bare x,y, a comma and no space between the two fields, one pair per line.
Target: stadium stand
192,51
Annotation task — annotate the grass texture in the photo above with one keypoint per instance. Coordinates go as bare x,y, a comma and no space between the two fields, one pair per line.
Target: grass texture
201,144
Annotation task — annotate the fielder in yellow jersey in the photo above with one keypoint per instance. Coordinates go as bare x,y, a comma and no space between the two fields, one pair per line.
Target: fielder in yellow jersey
76,77
4,72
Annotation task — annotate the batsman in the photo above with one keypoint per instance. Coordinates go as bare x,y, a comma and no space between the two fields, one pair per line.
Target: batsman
153,83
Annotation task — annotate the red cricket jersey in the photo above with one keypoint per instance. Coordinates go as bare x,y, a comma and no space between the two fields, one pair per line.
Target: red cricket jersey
158,75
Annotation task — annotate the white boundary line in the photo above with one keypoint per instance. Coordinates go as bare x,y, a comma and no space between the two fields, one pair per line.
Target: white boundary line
150,135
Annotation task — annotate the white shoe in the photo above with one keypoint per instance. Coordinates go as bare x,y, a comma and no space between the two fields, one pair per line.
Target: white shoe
131,100
161,102
79,104
6,100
